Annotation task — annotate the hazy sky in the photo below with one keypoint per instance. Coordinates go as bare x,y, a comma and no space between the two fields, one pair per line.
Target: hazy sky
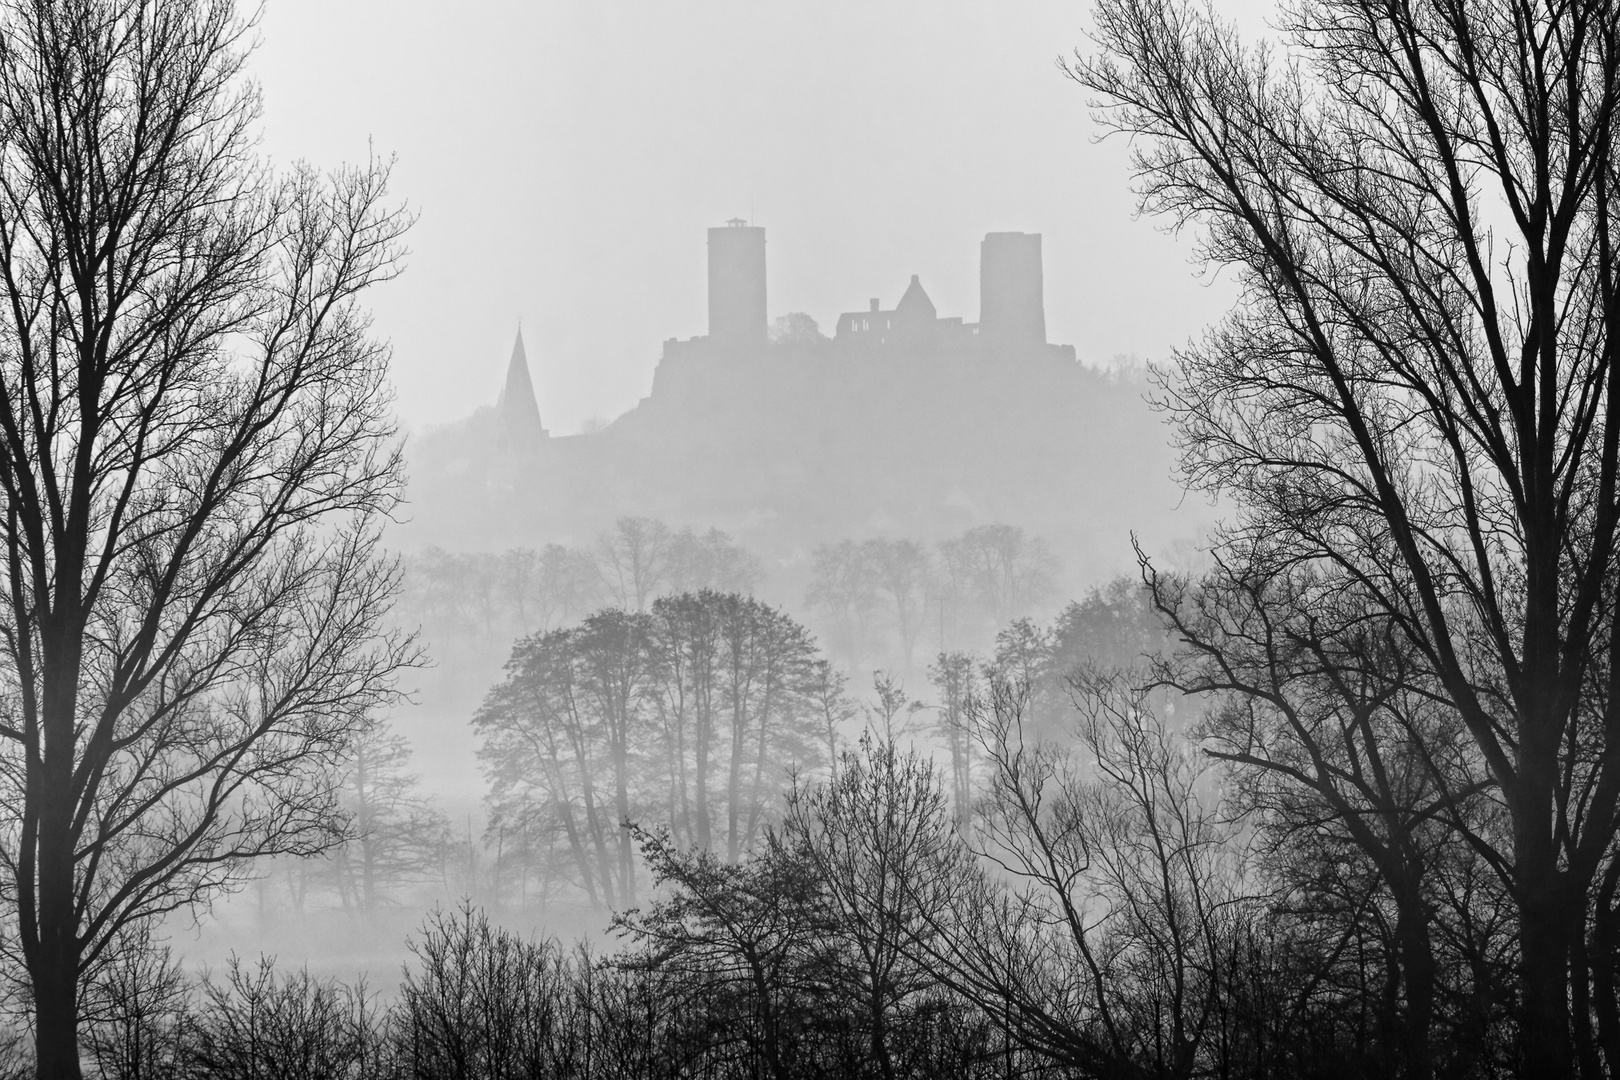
566,158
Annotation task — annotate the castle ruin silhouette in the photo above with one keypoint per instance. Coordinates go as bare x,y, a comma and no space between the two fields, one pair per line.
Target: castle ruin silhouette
1012,322
900,423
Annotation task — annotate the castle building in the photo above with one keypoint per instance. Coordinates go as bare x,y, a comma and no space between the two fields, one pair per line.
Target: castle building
1012,323
914,324
737,286
1012,316
1012,308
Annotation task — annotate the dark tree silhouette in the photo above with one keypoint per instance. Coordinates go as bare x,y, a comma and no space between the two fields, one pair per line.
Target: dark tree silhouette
692,715
1416,390
738,931
195,455
872,836
1331,748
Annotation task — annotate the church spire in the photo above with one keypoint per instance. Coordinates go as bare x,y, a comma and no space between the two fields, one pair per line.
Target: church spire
517,409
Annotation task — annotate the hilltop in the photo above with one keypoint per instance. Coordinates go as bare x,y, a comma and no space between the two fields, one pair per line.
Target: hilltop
900,424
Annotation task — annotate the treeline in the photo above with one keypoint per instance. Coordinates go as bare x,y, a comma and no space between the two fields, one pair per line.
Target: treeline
1291,870
694,714
1103,913
881,602
402,849
479,598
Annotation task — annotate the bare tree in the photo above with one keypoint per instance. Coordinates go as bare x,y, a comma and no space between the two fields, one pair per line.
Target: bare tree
711,561
1104,944
889,702
999,570
871,836
768,659
687,701
633,560
1416,390
692,715
736,928
827,691
195,454
613,665
542,746
899,571
396,829
1332,747
956,680
842,589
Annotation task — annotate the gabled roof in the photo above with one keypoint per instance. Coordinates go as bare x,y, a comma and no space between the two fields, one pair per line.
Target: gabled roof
915,302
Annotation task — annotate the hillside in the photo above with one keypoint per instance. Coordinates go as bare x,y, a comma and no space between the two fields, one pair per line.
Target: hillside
796,443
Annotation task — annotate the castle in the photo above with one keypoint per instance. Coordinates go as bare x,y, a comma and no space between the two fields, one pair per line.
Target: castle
900,423
1012,322
1012,307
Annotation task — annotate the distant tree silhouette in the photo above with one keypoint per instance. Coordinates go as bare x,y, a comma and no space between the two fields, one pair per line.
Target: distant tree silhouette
396,830
998,571
900,574
633,561
844,590
711,561
795,328
691,715
956,680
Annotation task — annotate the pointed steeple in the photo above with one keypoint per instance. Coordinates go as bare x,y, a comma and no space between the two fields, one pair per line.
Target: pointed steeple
517,409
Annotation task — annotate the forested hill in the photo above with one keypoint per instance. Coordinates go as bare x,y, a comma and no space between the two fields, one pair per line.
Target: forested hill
808,443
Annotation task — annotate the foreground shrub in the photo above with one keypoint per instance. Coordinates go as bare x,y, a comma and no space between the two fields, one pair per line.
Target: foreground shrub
139,1013
484,1003
257,1025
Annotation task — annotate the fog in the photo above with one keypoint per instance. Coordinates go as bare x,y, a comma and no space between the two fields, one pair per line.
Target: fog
566,164
738,540
565,159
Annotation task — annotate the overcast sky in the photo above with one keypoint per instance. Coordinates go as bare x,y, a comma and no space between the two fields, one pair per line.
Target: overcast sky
566,158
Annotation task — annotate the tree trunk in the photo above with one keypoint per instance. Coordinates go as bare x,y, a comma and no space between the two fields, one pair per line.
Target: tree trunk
1544,960
1605,953
1417,963
56,1014
767,1019
739,718
880,1032
705,826
55,969
54,960
621,798
1582,1034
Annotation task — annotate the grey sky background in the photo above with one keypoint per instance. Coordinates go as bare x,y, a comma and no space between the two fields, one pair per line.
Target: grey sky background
566,157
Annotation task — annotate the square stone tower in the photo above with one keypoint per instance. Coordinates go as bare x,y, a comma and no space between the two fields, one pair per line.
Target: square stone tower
737,286
1012,308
